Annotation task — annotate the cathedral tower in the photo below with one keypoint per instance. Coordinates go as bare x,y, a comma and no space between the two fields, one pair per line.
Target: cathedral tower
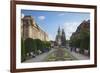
63,38
60,38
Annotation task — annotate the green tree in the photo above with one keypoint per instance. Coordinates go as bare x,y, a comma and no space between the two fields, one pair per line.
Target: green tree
23,51
34,46
47,44
39,45
82,40
30,45
85,40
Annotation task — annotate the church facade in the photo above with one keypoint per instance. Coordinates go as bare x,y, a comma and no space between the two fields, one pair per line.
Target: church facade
60,38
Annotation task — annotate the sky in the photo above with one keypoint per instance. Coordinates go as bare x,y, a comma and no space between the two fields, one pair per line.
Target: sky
50,21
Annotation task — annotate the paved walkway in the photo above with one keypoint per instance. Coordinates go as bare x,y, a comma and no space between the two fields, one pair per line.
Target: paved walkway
39,58
78,55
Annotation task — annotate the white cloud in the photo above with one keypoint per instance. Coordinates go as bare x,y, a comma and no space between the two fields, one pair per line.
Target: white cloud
69,28
41,17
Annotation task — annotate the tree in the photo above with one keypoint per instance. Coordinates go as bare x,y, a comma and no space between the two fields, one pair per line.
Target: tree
38,44
47,44
23,51
34,46
85,40
75,42
30,45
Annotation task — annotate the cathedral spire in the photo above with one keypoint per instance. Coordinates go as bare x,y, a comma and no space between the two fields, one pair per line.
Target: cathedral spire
60,37
59,31
63,32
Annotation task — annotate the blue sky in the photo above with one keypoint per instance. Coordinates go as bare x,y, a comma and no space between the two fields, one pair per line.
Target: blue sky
49,21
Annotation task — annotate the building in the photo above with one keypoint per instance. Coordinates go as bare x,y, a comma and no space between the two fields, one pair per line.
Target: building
60,38
30,29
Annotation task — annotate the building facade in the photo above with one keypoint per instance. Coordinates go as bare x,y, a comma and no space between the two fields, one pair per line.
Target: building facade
30,29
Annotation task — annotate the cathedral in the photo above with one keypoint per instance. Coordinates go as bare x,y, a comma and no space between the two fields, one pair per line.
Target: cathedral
60,38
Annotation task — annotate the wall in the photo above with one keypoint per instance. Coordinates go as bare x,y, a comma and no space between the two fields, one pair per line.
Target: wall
5,37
